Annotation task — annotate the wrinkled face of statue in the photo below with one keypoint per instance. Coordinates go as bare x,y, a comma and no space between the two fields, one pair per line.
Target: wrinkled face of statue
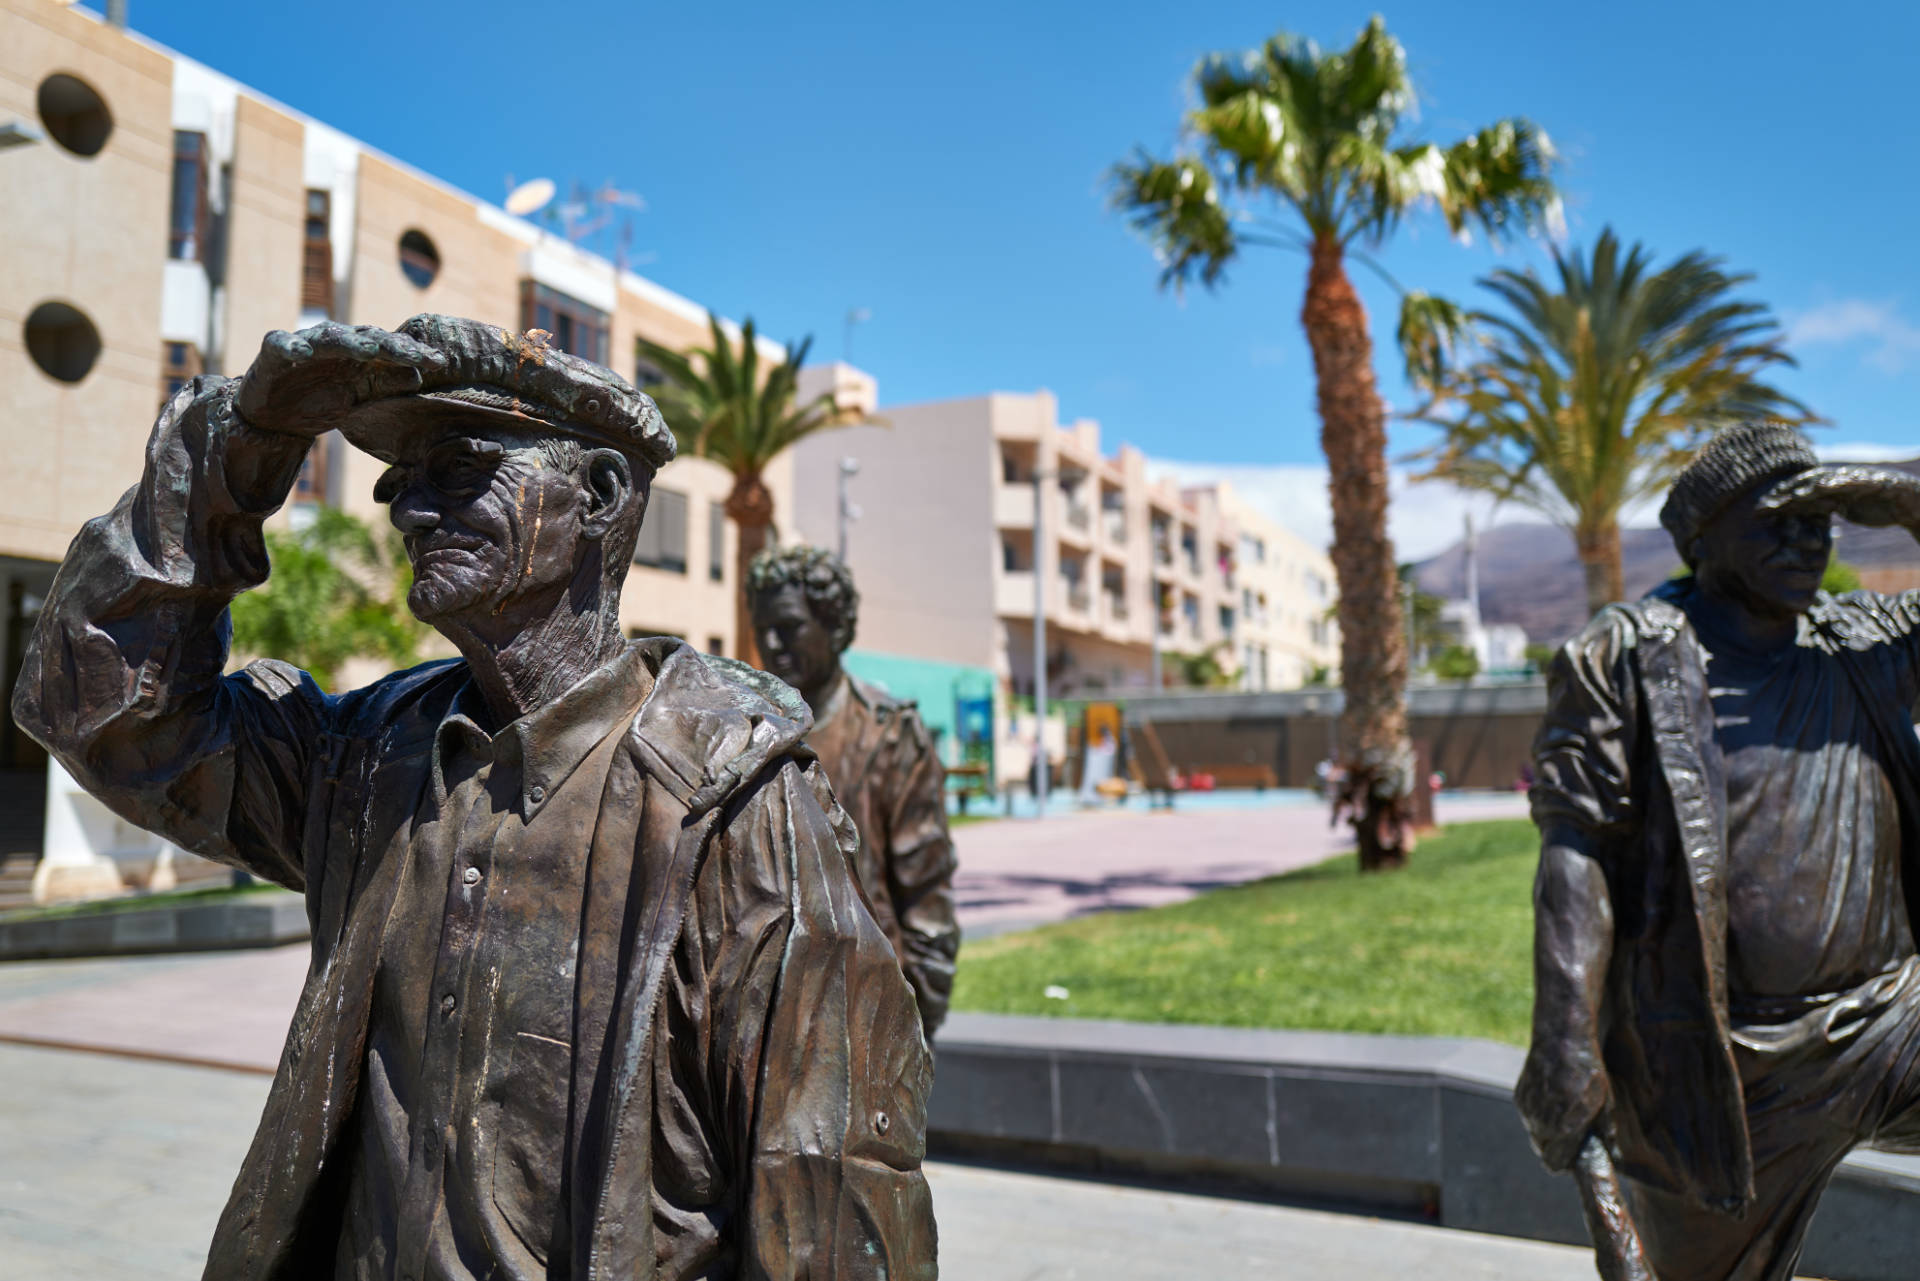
794,645
488,521
1771,561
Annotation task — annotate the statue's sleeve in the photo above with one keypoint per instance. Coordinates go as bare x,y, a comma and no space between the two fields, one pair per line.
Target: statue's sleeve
920,867
1582,800
1583,752
835,1098
1904,610
122,680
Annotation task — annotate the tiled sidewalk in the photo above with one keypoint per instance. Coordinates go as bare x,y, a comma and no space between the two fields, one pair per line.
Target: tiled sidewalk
115,1169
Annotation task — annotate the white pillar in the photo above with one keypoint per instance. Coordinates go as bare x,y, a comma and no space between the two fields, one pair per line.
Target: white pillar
84,844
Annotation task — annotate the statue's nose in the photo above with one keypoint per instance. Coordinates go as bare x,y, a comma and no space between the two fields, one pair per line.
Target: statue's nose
411,514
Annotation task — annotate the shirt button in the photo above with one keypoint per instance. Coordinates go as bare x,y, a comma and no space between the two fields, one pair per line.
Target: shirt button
471,876
446,1004
536,794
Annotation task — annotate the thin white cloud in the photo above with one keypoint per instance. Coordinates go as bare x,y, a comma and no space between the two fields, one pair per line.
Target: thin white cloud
1890,339
1865,452
1423,519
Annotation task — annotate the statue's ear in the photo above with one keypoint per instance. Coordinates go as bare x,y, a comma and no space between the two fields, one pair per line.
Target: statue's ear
610,490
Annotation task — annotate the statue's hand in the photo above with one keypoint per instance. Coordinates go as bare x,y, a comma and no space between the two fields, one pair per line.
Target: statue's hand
301,384
1862,494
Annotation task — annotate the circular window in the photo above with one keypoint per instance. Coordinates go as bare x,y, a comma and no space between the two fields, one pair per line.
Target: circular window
62,341
419,260
75,116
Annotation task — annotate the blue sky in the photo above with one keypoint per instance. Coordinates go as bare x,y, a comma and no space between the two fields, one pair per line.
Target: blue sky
943,167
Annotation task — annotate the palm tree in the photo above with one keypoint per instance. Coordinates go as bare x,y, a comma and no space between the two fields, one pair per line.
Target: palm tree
721,407
1317,137
1594,388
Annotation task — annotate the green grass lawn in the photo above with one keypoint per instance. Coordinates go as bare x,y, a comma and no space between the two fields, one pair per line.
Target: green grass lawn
1441,948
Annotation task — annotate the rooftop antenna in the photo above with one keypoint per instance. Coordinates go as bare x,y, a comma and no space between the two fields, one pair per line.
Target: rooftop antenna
855,316
529,197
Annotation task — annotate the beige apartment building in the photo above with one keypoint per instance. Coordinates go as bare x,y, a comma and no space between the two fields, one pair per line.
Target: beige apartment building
162,217
945,552
159,217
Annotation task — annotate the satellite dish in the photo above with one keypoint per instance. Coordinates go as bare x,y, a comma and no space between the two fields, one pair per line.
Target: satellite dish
529,197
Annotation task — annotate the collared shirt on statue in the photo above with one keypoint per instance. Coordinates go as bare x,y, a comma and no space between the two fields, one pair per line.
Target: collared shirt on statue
469,1048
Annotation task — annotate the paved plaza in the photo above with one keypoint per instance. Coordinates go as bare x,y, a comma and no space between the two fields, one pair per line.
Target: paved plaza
115,1169
133,1085
1017,872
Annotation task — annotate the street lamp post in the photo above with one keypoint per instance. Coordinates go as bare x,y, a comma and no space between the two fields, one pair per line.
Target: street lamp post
849,468
1153,627
1040,769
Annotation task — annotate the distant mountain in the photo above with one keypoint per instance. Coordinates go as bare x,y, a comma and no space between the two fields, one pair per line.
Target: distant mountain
1530,576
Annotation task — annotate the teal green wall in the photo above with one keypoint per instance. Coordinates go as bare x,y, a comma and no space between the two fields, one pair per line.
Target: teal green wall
934,685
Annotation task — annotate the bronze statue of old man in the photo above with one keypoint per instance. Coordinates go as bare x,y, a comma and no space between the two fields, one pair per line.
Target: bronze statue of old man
593,993
1727,997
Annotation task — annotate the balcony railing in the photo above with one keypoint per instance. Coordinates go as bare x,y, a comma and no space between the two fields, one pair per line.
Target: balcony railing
1079,516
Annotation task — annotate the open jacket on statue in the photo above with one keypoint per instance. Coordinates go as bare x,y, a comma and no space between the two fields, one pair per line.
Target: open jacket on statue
732,1074
1627,757
887,774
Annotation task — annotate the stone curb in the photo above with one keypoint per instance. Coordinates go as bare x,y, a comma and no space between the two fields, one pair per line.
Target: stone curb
1416,1126
266,922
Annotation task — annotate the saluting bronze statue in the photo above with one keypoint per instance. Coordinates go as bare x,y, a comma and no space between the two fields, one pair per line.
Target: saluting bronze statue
594,993
1727,999
878,756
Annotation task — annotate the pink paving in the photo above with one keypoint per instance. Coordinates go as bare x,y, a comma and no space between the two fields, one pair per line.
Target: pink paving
230,1009
1016,873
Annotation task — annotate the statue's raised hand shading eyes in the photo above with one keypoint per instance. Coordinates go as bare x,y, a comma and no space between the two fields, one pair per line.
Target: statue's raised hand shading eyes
1874,496
302,383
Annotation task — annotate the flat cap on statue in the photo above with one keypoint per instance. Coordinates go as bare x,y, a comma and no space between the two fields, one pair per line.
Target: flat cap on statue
1736,459
519,378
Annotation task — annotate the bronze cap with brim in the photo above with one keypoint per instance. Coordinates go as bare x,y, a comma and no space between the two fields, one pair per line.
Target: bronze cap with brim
520,383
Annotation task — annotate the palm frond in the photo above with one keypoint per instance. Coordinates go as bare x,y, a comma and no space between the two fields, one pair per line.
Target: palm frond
1589,390
1176,207
1321,134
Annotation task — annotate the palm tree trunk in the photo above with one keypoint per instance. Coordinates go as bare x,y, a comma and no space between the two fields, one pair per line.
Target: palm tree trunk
1378,760
750,507
1598,546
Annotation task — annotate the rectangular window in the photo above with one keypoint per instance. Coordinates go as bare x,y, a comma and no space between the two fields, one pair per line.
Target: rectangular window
187,228
716,542
646,374
715,645
311,486
663,532
316,266
577,328
179,362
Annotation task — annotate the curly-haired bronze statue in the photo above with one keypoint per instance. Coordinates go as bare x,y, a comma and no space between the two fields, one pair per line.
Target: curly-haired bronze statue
878,756
1727,998
594,993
